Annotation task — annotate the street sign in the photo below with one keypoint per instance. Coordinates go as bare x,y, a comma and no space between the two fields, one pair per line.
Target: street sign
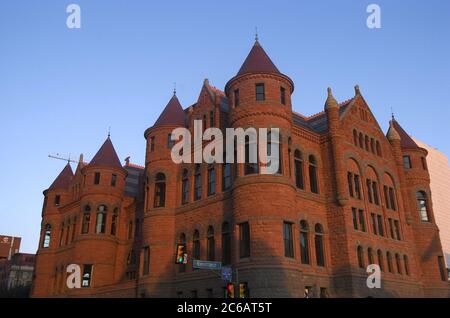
206,264
227,274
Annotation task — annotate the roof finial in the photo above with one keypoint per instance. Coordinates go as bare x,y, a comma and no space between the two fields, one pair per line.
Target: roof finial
357,90
392,113
109,132
174,88
256,34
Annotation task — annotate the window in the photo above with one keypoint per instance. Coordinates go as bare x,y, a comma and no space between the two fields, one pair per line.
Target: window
113,180
101,220
282,95
211,119
391,228
424,163
380,260
386,197
97,178
288,240
61,235
355,137
406,264
86,220
369,190
318,241
355,218
350,184
226,176
170,142
392,199
260,92
397,230
185,187
244,240
389,261
226,244
366,142
362,222
269,151
357,187
236,98
398,263
152,144
87,275
47,236
250,167
182,241
211,180
160,191
407,162
304,242
361,140
374,223
197,183
380,225
372,145
313,174
196,245
423,206
370,256
360,253
378,148
211,245
114,221
57,200
376,198
442,269
74,225
146,263
298,166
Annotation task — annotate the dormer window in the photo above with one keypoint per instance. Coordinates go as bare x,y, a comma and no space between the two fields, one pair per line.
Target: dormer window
260,92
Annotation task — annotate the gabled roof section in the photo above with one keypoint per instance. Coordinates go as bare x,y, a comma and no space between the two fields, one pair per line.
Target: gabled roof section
63,180
257,61
406,140
172,115
106,156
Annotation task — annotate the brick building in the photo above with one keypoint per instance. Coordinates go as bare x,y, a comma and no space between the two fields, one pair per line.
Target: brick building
9,245
16,275
342,199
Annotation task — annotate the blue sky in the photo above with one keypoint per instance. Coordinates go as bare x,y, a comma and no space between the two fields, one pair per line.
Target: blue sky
61,89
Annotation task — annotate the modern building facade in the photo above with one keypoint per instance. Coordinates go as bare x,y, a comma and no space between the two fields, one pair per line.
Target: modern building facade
344,197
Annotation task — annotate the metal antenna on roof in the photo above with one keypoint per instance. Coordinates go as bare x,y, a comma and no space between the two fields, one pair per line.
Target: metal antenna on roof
256,34
109,131
174,88
392,113
59,157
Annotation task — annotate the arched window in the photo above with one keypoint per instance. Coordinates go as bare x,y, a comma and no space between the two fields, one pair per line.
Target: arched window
226,175
47,236
423,206
380,260
226,244
398,263
211,180
370,256
160,191
100,223
389,261
114,221
313,174
366,142
196,245
269,151
318,242
378,148
406,264
360,252
185,187
361,140
355,137
197,183
211,246
86,220
250,167
304,242
298,166
182,241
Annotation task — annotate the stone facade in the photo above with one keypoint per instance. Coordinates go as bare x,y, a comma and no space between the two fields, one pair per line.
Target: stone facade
341,201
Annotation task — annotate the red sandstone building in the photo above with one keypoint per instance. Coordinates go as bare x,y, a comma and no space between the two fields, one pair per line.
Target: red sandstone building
342,200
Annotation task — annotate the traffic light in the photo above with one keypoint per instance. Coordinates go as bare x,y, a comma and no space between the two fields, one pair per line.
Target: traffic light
243,290
181,256
230,290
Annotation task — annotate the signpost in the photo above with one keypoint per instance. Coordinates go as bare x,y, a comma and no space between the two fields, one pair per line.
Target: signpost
206,265
227,274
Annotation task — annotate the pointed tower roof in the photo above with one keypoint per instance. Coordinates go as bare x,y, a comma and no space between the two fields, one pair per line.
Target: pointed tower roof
406,140
392,133
172,115
331,102
106,156
62,181
257,61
